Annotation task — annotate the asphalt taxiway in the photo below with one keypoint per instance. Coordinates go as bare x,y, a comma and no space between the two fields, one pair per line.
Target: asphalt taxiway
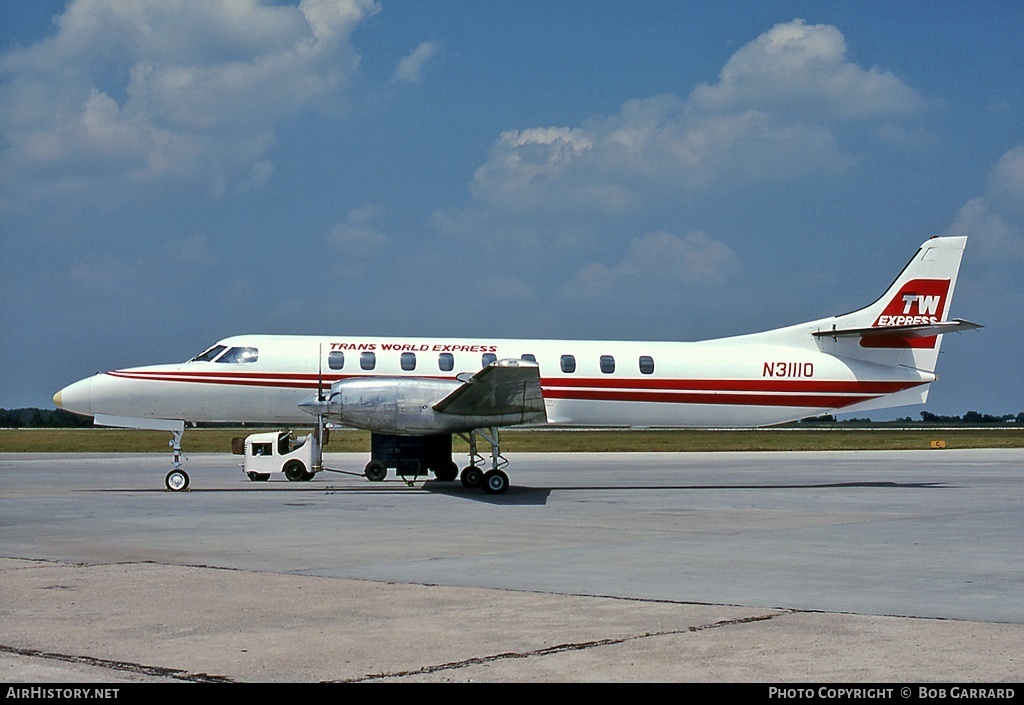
814,566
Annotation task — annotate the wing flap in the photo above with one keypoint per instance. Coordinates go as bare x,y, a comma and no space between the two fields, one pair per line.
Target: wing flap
503,388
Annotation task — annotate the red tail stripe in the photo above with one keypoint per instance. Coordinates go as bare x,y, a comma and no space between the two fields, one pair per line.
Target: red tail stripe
734,385
794,400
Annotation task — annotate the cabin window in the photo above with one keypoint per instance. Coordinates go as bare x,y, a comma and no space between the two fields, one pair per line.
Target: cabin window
262,448
336,359
646,365
367,360
607,364
487,359
568,364
209,354
240,355
408,361
446,362
529,357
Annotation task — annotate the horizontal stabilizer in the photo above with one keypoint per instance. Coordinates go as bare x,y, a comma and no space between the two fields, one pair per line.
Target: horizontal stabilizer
923,330
503,387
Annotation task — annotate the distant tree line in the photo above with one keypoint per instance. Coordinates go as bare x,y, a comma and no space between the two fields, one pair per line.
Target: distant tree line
58,418
42,418
971,418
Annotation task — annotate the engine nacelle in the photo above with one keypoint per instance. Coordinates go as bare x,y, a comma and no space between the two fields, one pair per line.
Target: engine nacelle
392,404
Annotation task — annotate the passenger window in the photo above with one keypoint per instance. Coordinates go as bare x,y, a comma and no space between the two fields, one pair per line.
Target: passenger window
262,448
646,365
568,364
528,357
487,359
607,364
336,359
446,362
408,361
367,360
240,355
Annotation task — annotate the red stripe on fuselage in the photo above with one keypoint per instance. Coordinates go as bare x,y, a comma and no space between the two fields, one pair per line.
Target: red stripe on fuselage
753,392
733,385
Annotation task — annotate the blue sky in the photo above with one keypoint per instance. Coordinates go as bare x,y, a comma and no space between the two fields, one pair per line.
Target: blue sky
176,172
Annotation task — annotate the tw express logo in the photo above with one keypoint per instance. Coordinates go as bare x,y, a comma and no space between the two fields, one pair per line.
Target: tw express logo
919,302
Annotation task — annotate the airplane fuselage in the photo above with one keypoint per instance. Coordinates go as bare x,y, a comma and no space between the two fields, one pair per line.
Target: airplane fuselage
718,383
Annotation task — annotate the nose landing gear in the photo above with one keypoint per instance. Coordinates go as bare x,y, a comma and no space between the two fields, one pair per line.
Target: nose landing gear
177,479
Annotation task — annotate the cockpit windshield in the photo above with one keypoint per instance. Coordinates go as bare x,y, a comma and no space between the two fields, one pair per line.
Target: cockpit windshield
240,355
236,354
209,354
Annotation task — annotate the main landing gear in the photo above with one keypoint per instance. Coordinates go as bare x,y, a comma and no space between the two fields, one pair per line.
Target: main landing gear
493,481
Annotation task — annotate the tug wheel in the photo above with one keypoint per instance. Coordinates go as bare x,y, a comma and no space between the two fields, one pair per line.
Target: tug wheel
294,470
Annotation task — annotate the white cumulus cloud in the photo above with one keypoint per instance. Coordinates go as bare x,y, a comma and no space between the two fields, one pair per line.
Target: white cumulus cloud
994,222
659,265
799,68
410,68
774,114
131,94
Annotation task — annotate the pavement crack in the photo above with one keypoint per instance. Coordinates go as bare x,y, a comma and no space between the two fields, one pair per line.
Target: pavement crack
123,666
559,648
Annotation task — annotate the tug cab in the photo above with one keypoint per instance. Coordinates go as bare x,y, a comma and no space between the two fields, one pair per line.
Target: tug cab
265,454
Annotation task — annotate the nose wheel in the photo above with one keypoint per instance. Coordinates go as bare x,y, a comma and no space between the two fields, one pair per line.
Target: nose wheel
176,481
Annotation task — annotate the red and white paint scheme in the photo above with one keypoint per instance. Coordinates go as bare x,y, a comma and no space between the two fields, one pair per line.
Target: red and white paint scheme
880,356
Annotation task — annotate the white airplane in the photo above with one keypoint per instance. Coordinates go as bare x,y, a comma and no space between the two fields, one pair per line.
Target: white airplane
413,393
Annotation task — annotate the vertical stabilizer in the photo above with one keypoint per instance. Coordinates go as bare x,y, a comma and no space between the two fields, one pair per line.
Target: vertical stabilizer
905,326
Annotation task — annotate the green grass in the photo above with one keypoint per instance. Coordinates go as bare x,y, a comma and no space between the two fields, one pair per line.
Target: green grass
98,440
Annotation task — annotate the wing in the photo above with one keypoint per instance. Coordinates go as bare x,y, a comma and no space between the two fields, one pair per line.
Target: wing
503,388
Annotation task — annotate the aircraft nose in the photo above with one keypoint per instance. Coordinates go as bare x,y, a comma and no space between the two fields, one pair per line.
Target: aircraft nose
76,397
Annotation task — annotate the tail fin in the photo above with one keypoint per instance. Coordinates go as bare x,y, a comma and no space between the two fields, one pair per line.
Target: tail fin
904,326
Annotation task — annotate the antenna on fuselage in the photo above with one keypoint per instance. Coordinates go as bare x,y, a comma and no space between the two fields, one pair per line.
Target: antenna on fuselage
320,374
320,430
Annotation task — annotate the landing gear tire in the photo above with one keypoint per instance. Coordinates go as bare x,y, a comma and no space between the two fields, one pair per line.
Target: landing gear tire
259,476
471,476
295,471
176,481
375,471
495,482
447,473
